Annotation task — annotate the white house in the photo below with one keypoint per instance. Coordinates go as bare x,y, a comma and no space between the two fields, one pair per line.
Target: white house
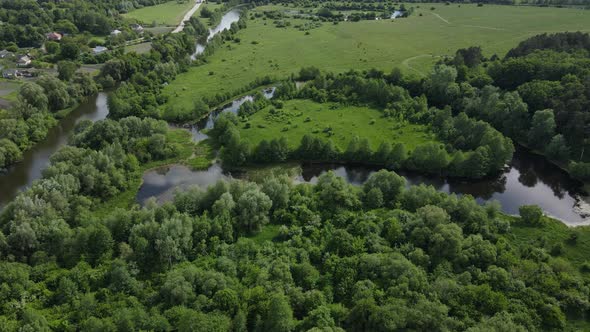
137,28
99,49
23,61
115,32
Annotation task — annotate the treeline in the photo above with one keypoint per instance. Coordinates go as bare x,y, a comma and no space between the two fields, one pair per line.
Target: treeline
424,260
37,107
474,148
539,95
25,22
146,75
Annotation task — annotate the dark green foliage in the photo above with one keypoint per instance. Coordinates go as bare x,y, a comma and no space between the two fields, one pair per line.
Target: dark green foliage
531,214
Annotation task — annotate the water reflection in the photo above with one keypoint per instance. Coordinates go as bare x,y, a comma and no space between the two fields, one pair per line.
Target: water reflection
226,22
529,180
21,175
233,107
161,183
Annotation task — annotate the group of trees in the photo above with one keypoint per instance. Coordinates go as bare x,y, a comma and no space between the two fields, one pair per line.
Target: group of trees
100,162
145,75
34,113
474,148
539,95
25,22
424,260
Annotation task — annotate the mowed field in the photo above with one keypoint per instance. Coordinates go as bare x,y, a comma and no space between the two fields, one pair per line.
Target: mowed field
413,43
168,13
299,117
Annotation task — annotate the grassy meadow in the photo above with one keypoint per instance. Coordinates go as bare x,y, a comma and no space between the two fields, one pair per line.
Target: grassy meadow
413,43
168,13
299,117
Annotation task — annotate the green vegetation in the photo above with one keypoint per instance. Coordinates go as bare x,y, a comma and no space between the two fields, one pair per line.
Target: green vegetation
340,123
413,43
168,13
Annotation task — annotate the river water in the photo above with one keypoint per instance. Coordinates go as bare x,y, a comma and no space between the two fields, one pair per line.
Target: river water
529,179
226,21
36,159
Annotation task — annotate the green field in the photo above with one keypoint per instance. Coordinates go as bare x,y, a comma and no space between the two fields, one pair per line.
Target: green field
345,121
139,48
169,13
413,43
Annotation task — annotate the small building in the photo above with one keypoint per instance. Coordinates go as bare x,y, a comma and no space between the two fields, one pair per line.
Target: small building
5,54
99,49
23,61
54,36
137,28
10,74
115,32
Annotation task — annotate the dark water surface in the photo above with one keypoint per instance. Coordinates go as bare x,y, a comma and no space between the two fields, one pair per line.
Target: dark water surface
529,179
36,159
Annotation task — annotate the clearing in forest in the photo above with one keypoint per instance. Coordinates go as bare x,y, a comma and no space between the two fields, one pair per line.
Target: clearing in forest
329,120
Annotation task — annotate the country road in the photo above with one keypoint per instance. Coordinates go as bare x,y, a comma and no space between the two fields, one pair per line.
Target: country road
188,16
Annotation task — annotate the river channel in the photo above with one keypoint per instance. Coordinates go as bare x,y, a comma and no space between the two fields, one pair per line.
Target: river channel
529,179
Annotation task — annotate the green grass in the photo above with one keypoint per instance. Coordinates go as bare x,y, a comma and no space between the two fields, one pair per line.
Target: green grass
9,89
140,48
203,157
268,233
345,121
413,44
168,13
550,233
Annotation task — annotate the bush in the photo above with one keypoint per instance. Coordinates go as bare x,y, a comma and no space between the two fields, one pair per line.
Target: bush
531,214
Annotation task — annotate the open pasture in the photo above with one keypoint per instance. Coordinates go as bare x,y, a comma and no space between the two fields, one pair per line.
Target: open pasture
414,43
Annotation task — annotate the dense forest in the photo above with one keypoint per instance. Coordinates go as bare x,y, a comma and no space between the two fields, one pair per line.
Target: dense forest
269,254
379,257
551,75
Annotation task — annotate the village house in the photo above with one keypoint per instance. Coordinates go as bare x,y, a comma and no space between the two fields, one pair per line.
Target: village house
137,28
5,54
115,32
23,61
54,36
10,74
99,49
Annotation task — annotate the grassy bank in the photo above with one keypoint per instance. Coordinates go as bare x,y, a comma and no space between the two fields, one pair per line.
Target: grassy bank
414,44
300,116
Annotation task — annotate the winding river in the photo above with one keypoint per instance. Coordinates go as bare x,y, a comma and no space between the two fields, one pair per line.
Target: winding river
226,21
529,179
36,159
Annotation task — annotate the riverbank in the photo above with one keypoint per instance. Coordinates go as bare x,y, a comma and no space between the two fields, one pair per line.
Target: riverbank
187,151
187,16
34,160
585,185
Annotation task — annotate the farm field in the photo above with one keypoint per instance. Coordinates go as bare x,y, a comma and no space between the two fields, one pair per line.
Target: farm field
169,13
301,116
413,43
